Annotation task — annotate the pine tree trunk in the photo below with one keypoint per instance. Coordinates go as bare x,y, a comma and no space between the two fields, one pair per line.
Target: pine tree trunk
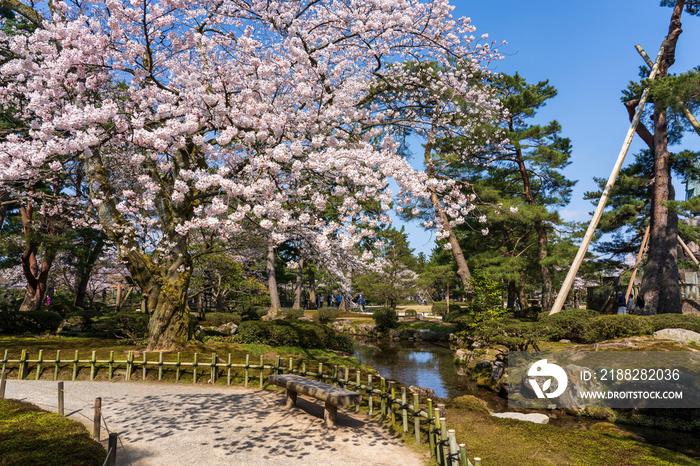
547,293
275,305
512,295
83,271
660,285
521,290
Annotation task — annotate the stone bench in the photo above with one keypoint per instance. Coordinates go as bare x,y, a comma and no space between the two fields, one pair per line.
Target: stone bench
333,396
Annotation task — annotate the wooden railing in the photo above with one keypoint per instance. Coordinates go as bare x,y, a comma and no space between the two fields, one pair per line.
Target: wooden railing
389,400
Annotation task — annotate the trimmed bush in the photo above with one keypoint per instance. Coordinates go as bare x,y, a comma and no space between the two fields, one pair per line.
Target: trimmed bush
662,321
410,313
15,322
292,313
302,334
439,308
511,333
385,318
570,324
613,326
326,315
125,324
216,319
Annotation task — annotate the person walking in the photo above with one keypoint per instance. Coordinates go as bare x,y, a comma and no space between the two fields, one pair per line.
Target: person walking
621,304
361,301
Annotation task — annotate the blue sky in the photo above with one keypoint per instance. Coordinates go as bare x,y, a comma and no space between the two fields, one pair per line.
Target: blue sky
586,50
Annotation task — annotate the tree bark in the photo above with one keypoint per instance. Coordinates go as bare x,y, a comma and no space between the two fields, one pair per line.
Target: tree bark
83,271
298,285
312,286
512,295
462,267
275,305
660,286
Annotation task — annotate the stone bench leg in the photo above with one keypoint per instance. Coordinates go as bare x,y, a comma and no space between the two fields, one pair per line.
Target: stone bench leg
291,398
330,414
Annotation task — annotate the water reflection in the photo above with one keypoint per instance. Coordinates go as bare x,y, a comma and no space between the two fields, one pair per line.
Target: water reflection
418,364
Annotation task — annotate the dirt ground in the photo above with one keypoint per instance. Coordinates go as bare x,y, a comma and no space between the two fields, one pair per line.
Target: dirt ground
206,425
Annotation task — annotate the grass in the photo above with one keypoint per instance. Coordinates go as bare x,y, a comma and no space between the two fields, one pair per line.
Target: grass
30,435
509,442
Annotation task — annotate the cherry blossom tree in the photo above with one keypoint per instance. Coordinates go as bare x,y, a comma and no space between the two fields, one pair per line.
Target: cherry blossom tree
209,114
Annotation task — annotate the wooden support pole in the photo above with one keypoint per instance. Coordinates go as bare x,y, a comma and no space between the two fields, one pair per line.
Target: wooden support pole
571,275
688,251
112,450
97,419
60,399
688,115
636,264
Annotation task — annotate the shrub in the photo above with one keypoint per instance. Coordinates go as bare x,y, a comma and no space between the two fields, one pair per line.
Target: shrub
410,313
327,315
15,322
125,324
385,319
439,308
613,326
662,321
511,333
216,319
292,313
302,334
570,324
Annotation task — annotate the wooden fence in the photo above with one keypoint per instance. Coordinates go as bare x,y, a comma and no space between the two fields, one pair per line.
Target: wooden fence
388,400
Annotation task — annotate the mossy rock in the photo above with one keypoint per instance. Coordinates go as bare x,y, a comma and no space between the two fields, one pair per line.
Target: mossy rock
471,403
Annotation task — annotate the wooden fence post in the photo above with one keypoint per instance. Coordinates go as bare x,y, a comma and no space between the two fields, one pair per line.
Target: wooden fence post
160,366
228,370
129,363
370,398
214,369
391,403
444,442
247,365
416,417
454,449
4,362
112,450
177,368
382,402
404,410
111,364
57,362
98,419
93,364
38,364
145,365
477,461
262,367
431,422
22,363
463,455
357,387
194,368
3,382
75,365
60,399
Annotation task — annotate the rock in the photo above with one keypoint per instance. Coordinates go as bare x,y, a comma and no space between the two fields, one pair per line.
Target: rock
74,324
483,365
306,319
531,417
407,334
565,341
497,371
462,355
678,334
228,328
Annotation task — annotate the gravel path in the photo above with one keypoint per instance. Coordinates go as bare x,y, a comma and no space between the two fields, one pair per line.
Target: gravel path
169,424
